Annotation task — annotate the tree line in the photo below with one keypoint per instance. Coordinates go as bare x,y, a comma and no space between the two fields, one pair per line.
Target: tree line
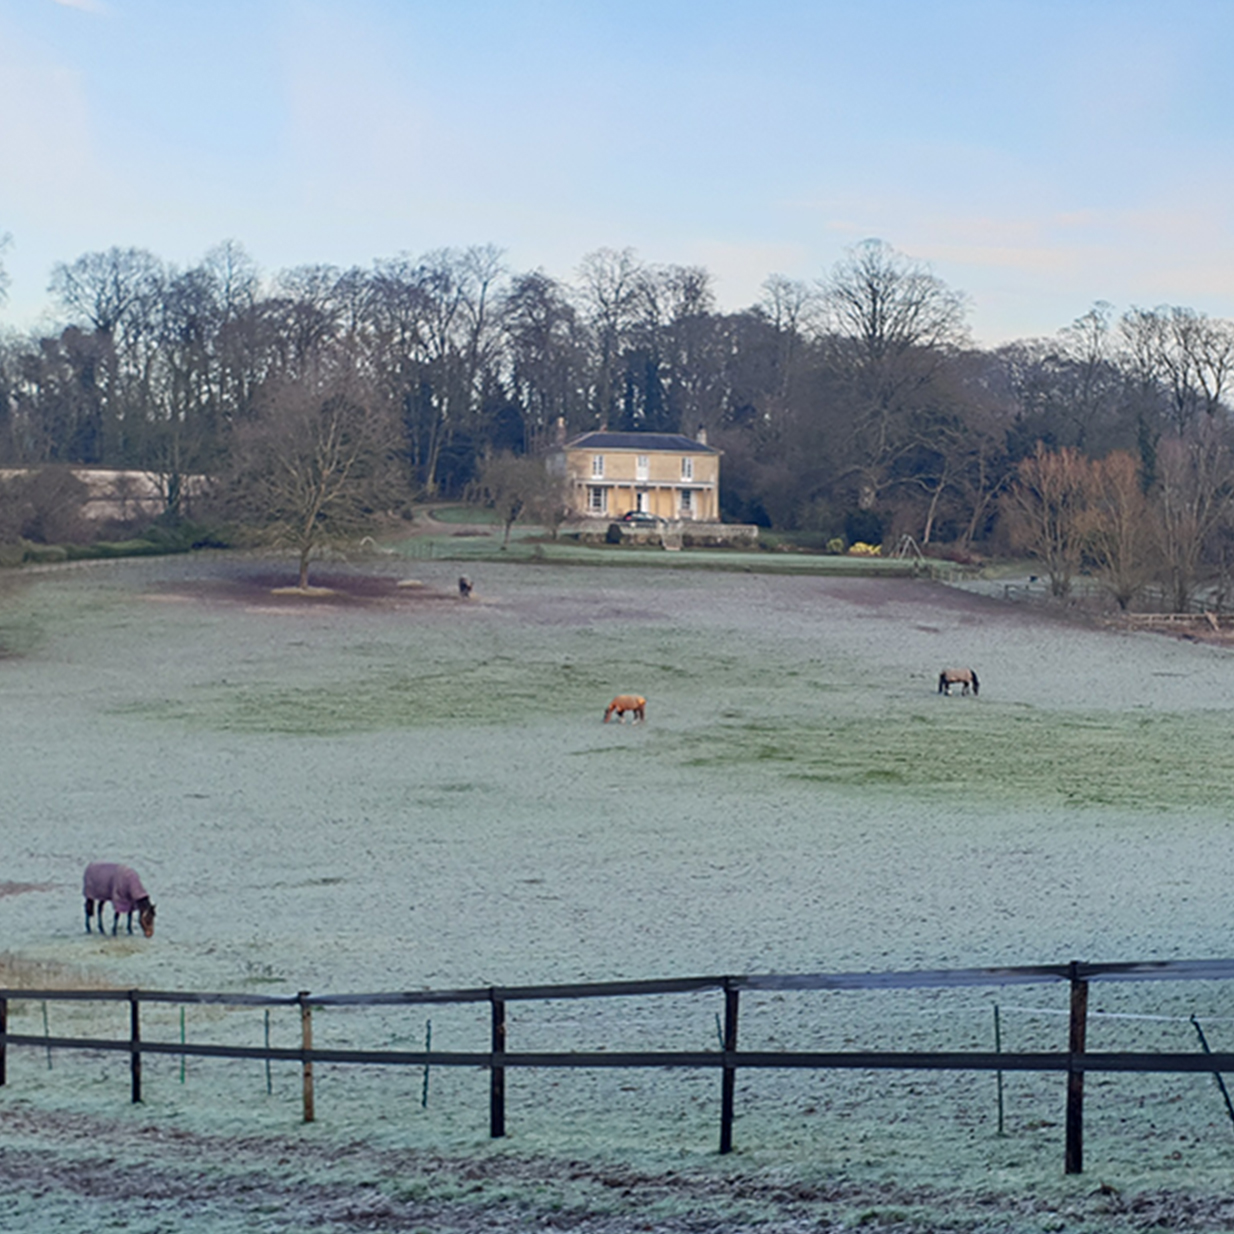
854,406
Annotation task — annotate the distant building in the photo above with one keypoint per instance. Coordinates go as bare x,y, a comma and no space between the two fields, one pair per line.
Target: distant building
113,494
667,475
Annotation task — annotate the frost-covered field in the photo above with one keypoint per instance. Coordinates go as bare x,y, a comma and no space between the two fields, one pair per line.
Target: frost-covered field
396,789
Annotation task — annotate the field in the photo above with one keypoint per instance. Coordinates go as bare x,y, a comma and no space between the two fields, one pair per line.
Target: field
386,787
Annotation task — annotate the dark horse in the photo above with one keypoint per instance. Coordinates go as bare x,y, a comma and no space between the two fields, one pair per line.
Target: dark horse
103,881
957,676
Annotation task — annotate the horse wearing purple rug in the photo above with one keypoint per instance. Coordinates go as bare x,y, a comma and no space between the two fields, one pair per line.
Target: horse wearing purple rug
103,881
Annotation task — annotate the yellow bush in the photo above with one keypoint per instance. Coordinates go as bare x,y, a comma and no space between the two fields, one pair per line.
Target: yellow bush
862,549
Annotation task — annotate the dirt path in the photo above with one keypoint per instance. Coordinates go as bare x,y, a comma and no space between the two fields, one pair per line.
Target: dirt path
61,1170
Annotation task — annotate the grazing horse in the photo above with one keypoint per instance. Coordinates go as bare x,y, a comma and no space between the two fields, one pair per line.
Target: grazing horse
634,703
104,880
964,677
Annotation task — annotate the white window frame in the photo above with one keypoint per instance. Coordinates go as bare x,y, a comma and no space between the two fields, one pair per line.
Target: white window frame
597,466
685,502
597,499
642,466
687,468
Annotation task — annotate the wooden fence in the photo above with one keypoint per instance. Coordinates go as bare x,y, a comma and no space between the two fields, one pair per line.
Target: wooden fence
1074,1062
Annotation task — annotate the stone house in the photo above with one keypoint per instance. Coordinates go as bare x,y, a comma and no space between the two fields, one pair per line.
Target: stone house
668,475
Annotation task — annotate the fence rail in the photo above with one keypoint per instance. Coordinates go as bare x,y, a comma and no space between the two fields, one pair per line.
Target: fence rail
1074,1062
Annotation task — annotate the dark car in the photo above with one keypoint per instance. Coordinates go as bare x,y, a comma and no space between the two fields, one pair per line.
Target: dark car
641,518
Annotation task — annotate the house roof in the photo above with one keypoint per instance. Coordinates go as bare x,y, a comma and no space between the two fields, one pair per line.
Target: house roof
675,443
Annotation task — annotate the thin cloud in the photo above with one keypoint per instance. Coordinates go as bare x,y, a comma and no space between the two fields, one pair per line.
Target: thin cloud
84,6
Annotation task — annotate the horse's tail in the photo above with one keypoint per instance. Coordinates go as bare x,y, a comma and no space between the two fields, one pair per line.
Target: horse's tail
976,683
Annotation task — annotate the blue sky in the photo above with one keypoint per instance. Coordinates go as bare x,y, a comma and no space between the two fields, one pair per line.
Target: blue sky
1038,154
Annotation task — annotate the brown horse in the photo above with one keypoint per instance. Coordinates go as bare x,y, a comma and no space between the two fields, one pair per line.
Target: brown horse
634,703
964,677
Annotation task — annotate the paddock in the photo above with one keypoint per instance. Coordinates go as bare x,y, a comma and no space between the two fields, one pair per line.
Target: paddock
391,790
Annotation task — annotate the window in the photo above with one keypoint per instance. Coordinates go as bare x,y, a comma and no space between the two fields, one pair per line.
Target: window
597,465
687,468
642,467
687,502
597,499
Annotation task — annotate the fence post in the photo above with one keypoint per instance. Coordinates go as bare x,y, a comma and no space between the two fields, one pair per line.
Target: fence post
4,1040
497,1073
728,1080
1075,1073
998,1049
134,1042
306,1064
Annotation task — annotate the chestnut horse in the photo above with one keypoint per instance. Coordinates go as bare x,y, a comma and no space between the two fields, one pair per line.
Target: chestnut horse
957,676
634,703
103,881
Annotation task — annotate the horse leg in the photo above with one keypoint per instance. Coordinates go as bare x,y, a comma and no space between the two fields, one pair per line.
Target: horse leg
89,914
115,920
130,921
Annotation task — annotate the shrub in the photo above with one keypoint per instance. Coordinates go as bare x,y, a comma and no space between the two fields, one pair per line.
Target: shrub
863,526
40,553
613,534
112,548
177,535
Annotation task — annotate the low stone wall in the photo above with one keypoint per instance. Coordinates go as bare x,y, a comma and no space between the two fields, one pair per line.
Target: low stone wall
676,533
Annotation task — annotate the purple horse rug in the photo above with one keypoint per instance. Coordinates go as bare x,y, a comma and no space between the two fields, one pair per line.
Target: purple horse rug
105,880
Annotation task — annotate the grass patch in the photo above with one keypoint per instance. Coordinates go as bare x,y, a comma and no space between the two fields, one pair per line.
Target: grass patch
17,973
1140,763
463,514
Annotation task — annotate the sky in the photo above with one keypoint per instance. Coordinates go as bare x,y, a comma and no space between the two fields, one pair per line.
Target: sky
1038,155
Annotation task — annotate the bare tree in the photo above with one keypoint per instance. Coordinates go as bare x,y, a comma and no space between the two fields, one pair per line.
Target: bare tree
1092,384
611,288
545,356
235,277
1119,539
1048,509
320,462
107,290
898,322
1194,497
518,486
892,305
1182,357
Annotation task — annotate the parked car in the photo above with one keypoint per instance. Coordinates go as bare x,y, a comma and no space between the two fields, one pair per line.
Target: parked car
641,518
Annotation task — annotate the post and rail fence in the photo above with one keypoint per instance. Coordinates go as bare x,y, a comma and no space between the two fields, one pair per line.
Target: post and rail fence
1075,1062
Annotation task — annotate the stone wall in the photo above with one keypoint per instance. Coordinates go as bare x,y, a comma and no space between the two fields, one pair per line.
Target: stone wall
677,533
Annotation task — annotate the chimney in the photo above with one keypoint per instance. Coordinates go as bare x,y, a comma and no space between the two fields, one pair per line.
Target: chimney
701,435
559,433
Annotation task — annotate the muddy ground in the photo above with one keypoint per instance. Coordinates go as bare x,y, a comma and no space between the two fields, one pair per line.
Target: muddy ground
65,1170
